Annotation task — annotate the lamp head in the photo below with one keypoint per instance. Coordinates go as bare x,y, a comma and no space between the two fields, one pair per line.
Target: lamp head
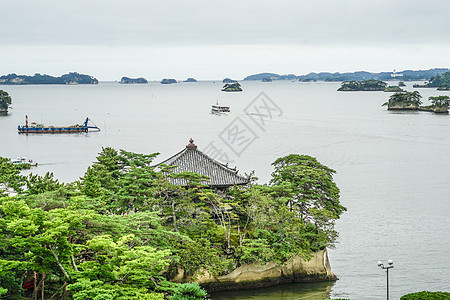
390,262
379,263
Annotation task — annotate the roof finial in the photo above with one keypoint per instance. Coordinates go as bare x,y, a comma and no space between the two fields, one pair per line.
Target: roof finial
191,145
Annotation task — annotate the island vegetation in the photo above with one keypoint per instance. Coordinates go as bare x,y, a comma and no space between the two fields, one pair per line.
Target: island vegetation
5,102
190,79
439,104
168,81
127,80
426,295
393,88
123,230
232,87
401,83
365,85
404,101
70,78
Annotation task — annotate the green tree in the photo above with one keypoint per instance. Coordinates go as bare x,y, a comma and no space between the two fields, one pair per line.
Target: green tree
5,100
440,101
311,193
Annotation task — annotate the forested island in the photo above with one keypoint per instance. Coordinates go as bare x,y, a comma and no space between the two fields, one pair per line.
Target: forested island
127,80
232,87
168,81
365,85
5,102
407,75
229,80
123,231
70,78
442,83
411,101
190,79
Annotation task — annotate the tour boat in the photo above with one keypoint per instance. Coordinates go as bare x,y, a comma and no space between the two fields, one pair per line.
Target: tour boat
23,161
40,128
217,109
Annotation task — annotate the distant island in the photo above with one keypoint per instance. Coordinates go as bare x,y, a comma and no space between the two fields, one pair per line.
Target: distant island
190,80
265,79
232,87
365,85
393,88
168,81
411,101
407,75
228,80
441,82
5,101
127,80
70,78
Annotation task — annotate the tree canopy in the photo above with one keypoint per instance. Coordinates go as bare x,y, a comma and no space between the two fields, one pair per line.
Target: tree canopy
122,231
5,100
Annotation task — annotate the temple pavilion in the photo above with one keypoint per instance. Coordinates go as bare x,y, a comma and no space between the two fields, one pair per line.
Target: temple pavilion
193,160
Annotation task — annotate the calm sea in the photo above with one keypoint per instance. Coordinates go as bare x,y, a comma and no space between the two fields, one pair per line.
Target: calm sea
392,167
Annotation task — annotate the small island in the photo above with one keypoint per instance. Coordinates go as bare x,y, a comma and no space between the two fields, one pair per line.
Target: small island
127,80
190,79
168,81
232,87
401,83
70,78
439,104
393,88
5,101
228,80
365,85
404,101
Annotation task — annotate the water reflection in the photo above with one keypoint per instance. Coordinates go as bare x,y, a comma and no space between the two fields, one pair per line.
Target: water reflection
307,291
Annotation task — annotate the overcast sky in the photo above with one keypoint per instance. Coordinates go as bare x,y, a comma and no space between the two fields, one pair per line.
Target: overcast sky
209,39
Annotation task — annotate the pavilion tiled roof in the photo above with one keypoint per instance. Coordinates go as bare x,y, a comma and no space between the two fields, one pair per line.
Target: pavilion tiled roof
193,160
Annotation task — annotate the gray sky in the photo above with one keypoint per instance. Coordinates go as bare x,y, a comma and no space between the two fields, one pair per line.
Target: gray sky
216,39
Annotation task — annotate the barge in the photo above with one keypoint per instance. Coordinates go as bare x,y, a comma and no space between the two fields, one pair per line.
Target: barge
40,128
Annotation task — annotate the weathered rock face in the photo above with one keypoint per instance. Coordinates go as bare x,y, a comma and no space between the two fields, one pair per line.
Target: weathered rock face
401,106
253,276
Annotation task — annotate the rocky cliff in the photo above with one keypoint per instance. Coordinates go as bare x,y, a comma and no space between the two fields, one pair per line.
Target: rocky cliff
254,276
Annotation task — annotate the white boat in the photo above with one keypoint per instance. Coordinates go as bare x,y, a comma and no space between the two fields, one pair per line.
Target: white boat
217,109
23,160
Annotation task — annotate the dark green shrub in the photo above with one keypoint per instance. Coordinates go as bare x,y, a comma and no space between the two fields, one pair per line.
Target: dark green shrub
188,291
425,295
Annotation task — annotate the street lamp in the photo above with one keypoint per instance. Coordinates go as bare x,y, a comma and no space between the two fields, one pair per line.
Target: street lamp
390,265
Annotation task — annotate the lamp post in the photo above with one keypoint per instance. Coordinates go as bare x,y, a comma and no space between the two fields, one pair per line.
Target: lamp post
390,265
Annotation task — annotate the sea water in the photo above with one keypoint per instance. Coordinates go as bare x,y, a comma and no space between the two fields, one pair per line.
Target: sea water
392,167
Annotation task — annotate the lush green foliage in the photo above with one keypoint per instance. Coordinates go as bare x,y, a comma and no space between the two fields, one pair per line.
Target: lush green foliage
425,295
440,101
5,100
404,99
122,231
440,81
365,85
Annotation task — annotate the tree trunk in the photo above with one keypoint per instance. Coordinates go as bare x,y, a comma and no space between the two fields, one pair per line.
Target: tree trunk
42,288
59,263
